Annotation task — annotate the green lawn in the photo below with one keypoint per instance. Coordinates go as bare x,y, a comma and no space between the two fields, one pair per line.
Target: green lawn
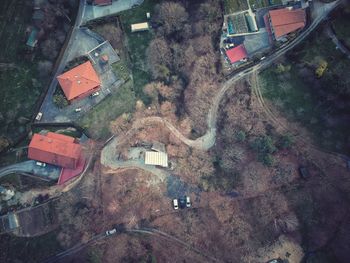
304,98
97,120
232,6
137,44
121,70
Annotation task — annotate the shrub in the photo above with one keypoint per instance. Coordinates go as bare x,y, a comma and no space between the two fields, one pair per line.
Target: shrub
266,158
4,143
94,256
321,69
280,68
263,145
60,101
240,136
286,141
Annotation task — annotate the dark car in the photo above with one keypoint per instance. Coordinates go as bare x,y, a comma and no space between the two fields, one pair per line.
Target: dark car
182,202
304,172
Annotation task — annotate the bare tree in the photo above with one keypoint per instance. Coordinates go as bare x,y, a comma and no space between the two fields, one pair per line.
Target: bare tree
172,16
159,58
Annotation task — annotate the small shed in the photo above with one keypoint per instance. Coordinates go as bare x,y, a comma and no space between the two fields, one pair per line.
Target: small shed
139,27
158,147
156,158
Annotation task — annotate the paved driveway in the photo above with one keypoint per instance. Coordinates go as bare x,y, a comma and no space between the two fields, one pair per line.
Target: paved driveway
49,172
85,42
257,42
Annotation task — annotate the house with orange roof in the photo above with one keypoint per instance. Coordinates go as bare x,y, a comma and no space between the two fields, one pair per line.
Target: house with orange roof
56,149
285,21
79,82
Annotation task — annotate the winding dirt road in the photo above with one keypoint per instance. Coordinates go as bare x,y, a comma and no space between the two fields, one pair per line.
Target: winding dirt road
208,139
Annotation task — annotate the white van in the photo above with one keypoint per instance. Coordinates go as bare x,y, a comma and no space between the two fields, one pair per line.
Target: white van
39,116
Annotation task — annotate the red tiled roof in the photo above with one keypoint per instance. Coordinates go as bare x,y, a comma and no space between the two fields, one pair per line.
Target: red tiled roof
54,151
102,2
285,21
79,80
61,137
237,53
68,174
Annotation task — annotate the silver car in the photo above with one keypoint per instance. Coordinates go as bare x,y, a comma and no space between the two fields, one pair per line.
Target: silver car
175,204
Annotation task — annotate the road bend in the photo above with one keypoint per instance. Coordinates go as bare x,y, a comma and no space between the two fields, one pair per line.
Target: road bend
148,231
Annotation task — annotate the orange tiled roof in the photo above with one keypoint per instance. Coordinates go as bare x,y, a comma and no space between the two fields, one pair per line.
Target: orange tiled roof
61,137
285,21
79,80
56,146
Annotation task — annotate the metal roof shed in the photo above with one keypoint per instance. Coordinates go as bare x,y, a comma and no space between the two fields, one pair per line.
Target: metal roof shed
139,27
156,158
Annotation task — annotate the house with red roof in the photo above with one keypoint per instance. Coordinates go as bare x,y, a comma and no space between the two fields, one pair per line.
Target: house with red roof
56,149
237,54
79,82
285,21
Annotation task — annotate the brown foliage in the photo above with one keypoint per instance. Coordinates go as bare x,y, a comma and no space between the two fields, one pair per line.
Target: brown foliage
121,124
159,58
4,143
194,164
112,33
172,16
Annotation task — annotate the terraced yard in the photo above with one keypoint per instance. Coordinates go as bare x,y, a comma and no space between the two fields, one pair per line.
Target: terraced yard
232,6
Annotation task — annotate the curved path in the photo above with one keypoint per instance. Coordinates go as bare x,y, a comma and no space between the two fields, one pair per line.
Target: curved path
149,231
29,168
208,139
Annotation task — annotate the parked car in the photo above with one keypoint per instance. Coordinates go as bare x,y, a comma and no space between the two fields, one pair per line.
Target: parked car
40,164
111,232
95,94
188,201
39,116
77,110
182,202
175,204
